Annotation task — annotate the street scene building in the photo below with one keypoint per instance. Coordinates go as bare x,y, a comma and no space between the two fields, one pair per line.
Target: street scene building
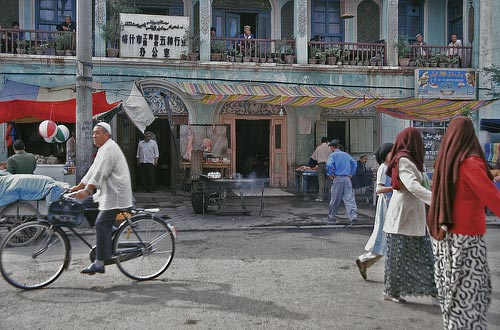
287,73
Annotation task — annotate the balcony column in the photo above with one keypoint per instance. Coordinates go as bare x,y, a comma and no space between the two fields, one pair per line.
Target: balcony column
205,21
100,20
390,31
301,32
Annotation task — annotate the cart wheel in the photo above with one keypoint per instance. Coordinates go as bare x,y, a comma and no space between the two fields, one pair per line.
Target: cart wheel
199,206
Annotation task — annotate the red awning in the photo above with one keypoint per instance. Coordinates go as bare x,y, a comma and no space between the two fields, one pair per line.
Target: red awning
59,111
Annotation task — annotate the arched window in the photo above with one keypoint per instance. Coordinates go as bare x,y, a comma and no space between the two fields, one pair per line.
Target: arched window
368,14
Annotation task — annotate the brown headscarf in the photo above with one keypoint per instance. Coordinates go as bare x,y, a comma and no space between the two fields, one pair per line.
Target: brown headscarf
408,144
459,142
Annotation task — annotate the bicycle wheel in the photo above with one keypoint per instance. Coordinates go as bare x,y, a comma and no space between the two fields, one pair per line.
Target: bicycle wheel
144,248
35,264
16,214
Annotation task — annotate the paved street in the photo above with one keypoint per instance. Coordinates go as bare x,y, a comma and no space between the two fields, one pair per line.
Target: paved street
271,278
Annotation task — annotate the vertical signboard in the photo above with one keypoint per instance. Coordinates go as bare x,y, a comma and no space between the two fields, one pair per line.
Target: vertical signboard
154,36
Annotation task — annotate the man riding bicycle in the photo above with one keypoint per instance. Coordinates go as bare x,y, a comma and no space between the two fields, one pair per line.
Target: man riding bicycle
110,174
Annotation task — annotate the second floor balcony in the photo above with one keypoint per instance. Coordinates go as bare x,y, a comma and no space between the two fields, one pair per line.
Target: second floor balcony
56,43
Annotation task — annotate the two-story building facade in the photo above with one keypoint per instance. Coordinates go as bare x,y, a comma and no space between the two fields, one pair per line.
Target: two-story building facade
277,111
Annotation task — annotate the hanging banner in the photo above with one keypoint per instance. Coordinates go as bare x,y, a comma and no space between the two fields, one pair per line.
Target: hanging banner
445,84
153,36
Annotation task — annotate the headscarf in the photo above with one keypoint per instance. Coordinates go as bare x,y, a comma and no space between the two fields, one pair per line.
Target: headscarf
459,142
409,144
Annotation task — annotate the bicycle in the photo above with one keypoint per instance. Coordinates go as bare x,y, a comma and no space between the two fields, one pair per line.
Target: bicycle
143,245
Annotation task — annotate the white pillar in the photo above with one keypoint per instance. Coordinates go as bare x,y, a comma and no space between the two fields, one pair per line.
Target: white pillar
301,30
390,30
205,22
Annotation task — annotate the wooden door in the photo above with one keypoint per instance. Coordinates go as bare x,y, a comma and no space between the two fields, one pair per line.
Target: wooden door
278,169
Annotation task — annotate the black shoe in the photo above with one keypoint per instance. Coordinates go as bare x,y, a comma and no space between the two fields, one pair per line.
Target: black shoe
92,269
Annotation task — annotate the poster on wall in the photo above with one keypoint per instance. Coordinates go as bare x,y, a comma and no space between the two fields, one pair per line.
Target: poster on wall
153,36
445,83
432,135
211,139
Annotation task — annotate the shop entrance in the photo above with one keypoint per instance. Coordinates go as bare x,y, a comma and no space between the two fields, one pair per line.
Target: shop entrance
162,135
252,148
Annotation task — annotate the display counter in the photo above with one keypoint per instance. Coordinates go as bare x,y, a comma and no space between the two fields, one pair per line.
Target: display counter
306,182
224,168
57,172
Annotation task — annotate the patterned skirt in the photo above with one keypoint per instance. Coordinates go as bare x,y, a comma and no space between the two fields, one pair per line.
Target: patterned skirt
409,266
463,281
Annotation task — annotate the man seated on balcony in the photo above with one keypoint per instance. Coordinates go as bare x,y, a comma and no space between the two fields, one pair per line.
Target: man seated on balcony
420,51
454,44
68,25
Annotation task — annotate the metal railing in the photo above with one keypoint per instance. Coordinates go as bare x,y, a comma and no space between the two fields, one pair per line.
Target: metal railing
41,42
255,50
442,56
351,53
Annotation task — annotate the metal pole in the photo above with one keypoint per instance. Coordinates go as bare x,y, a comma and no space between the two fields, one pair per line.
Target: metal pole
84,147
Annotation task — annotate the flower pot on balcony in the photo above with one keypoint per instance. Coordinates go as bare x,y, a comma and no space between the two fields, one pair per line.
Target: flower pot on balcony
289,59
112,52
230,58
50,51
270,60
404,61
353,62
262,60
255,59
21,51
247,58
331,60
68,52
193,56
216,56
313,61
60,52
238,59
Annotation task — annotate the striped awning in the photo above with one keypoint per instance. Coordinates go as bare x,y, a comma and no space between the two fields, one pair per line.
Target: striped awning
342,99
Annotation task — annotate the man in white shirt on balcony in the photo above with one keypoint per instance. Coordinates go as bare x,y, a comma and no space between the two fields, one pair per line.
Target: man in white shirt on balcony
147,159
454,44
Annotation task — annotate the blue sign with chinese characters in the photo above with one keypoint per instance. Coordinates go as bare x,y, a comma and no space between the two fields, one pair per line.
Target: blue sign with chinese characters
445,83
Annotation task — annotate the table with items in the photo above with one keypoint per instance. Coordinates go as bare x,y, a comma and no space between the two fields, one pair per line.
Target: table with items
306,181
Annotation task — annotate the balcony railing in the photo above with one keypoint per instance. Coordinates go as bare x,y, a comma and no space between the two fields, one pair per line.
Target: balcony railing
442,56
347,53
41,42
254,50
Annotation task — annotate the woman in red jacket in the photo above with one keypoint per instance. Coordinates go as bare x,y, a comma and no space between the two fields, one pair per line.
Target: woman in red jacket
462,187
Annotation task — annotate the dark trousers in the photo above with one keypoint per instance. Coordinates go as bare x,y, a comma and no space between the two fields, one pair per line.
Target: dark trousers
147,174
103,231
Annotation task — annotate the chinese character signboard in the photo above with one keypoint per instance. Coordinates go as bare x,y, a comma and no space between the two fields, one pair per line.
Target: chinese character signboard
152,36
445,83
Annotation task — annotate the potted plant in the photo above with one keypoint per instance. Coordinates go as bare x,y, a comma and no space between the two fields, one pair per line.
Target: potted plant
455,61
313,59
403,48
40,49
111,31
217,49
289,57
22,46
320,56
63,43
330,55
